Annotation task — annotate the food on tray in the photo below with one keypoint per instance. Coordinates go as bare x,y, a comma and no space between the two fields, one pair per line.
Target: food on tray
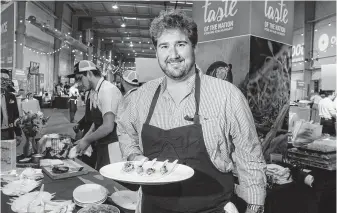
164,169
140,168
102,208
128,166
151,169
20,187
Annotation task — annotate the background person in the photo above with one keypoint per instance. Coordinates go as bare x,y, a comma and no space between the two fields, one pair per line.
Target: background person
104,101
327,113
9,110
73,94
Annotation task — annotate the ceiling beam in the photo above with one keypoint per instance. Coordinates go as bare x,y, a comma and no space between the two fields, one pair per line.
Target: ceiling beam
113,26
124,35
143,3
79,13
134,41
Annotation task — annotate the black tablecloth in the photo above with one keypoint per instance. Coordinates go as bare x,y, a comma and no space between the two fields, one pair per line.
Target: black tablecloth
64,190
61,102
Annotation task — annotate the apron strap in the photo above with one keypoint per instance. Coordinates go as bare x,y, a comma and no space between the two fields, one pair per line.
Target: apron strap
153,105
196,118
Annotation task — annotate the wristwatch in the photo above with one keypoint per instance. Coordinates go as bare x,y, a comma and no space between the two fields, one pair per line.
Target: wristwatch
256,208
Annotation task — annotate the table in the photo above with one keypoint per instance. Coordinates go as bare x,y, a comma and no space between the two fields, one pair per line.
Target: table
288,198
64,188
61,102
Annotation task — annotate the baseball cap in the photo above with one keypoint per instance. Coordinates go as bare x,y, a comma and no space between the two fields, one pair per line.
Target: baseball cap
82,66
131,77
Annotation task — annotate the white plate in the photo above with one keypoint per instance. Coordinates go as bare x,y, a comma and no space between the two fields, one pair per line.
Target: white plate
89,204
179,173
103,208
125,199
20,187
89,193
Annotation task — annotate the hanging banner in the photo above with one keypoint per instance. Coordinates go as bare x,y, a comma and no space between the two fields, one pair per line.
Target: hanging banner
273,20
221,19
7,37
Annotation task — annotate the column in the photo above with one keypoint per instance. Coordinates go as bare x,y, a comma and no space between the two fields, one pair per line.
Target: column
20,34
309,14
57,42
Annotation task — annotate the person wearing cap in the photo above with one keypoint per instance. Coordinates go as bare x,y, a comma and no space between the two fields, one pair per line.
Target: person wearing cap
9,110
104,101
129,85
73,95
201,121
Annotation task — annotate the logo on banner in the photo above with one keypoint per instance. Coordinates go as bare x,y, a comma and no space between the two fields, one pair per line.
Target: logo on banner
278,15
220,16
324,41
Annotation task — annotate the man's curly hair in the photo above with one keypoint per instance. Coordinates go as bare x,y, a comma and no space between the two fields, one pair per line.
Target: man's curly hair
174,19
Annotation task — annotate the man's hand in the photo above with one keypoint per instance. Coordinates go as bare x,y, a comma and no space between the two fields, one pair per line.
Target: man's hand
19,139
81,146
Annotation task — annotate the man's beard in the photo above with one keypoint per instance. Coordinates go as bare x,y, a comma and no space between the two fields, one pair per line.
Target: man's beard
174,74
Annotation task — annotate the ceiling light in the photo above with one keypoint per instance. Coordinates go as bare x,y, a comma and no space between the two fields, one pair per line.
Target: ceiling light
128,53
329,24
316,30
131,45
115,6
302,34
115,56
142,50
112,40
132,18
133,50
122,41
140,42
148,42
123,25
150,48
102,39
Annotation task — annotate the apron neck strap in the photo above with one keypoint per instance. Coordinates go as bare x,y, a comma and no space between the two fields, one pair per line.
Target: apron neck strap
196,118
153,105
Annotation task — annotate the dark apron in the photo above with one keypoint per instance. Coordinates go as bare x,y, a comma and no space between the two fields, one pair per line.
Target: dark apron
207,191
102,144
72,107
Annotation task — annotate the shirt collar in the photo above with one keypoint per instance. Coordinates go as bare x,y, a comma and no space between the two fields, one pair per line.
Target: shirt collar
99,84
190,82
128,93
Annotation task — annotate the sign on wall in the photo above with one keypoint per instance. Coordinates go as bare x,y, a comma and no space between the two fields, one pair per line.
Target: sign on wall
273,20
221,19
34,68
7,37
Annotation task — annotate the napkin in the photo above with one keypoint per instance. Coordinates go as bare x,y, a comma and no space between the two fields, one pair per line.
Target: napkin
279,174
73,153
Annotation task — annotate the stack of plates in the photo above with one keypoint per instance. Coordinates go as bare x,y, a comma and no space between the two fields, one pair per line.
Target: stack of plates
89,194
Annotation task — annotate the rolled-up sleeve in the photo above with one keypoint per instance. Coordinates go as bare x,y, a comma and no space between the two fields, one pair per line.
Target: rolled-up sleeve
248,156
128,128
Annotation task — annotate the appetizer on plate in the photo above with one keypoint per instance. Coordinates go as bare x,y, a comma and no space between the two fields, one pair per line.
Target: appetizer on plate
151,170
140,168
128,166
